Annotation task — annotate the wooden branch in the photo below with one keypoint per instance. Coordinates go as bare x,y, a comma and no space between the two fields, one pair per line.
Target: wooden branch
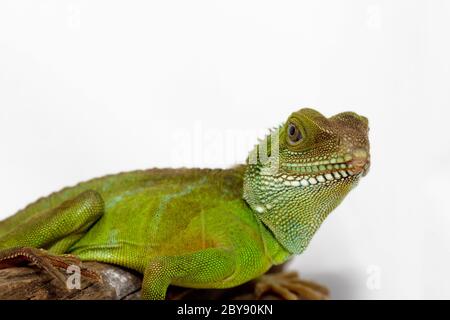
25,283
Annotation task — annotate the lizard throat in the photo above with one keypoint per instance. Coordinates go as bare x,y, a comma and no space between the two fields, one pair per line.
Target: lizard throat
293,205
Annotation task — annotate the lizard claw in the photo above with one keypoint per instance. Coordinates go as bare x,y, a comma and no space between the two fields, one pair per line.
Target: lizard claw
289,286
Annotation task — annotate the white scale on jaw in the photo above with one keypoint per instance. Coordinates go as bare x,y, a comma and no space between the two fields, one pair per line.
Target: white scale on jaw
300,182
305,181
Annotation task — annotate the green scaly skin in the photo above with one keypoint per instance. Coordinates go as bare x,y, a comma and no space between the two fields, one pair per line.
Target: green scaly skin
202,228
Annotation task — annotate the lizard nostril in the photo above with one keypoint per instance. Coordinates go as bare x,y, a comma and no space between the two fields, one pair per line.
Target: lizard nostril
360,154
360,160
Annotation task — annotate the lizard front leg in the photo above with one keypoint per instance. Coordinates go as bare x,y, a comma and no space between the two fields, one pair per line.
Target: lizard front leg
56,230
206,268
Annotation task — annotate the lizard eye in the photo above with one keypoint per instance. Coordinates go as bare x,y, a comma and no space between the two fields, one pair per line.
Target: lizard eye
294,134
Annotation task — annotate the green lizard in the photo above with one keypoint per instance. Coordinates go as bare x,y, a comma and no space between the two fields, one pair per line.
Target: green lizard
199,228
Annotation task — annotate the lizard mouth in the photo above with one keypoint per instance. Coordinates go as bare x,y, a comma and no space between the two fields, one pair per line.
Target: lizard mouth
352,164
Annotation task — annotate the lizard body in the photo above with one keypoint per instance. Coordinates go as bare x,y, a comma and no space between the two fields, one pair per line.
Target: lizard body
203,228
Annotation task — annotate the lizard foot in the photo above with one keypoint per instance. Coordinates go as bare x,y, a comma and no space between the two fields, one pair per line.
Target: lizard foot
44,260
289,286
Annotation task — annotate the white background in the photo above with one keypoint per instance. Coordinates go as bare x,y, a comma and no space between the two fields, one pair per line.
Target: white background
95,87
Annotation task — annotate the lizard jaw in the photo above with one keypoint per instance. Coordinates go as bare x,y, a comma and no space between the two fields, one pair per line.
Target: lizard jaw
352,163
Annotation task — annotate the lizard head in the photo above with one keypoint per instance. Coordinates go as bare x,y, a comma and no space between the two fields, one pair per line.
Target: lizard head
301,171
